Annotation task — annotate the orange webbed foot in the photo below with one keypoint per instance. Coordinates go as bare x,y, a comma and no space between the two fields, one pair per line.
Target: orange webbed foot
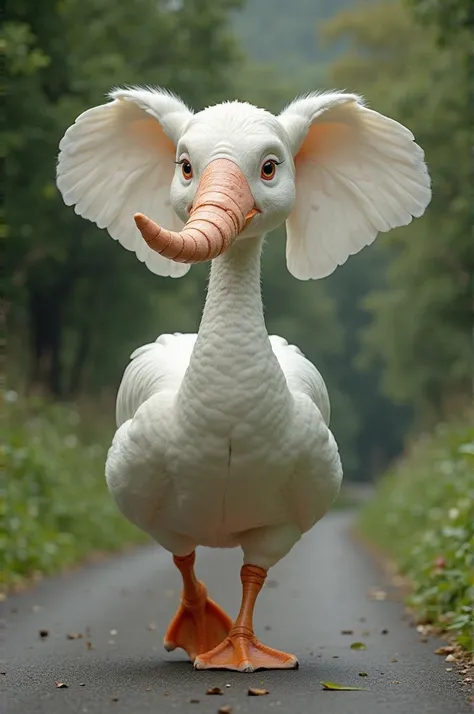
198,626
241,650
242,653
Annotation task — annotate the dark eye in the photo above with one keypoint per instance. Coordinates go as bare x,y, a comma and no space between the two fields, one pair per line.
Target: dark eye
187,170
268,170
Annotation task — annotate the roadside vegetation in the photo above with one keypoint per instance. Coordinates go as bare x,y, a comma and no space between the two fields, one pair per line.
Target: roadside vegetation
54,505
423,516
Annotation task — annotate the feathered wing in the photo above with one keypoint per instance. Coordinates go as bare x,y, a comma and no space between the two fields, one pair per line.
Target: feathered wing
301,375
157,367
117,159
358,173
135,470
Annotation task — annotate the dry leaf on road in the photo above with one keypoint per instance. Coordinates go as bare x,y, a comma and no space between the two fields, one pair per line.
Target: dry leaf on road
214,690
333,687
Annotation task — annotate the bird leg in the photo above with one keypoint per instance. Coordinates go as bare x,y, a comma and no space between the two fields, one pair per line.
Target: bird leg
241,650
199,623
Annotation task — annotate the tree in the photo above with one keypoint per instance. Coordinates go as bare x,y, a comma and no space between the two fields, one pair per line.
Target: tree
72,291
421,319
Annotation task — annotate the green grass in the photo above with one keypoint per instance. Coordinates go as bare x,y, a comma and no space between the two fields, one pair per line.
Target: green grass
423,516
54,505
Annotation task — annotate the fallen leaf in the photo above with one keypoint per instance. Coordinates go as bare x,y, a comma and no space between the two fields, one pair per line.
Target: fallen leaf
394,659
333,687
463,671
255,692
423,629
449,669
214,690
450,658
358,646
347,632
3,597
43,634
363,674
89,645
61,685
447,649
74,635
226,709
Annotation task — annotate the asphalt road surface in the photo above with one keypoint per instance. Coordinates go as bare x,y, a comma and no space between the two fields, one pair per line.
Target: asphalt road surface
122,607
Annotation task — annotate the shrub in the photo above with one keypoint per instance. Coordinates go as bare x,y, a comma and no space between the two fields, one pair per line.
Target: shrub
54,504
423,515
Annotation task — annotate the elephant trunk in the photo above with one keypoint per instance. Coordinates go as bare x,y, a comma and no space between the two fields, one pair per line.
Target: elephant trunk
222,208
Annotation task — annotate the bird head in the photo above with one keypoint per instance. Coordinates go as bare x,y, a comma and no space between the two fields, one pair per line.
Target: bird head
179,188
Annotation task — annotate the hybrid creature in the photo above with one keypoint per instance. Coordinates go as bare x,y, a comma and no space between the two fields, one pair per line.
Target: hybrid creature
223,436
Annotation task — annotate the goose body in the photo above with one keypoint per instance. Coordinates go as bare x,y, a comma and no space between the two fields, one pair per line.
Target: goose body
223,437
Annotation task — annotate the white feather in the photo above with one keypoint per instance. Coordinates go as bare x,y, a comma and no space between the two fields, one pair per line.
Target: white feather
117,160
358,173
160,367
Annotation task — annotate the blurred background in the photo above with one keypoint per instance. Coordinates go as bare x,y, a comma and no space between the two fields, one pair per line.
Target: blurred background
391,331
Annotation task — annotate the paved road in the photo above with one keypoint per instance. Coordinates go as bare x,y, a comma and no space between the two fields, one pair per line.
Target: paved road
304,610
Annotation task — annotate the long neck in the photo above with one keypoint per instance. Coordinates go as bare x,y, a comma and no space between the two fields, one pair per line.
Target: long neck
233,306
233,357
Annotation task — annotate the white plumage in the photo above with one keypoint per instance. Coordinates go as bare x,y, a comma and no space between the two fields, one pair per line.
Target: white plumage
160,366
131,171
223,437
360,173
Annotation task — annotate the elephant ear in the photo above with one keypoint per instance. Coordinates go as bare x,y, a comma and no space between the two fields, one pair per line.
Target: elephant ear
117,159
357,172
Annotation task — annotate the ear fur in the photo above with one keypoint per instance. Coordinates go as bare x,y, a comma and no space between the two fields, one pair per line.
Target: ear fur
117,160
357,173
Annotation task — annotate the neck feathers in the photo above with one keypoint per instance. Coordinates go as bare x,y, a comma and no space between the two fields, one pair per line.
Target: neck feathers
233,366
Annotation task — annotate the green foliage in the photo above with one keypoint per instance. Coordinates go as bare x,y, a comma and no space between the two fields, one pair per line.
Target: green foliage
55,507
61,59
451,17
423,515
422,312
